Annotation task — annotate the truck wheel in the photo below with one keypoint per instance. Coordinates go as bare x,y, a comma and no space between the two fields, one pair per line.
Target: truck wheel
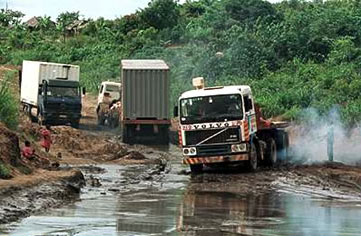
164,135
125,134
75,124
196,169
253,159
128,134
101,119
271,154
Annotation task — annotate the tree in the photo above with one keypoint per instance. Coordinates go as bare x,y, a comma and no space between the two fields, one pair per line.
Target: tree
248,11
9,17
161,14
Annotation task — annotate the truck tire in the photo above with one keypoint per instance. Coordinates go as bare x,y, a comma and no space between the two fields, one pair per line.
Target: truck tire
75,124
125,134
253,157
128,134
271,153
196,169
101,119
164,135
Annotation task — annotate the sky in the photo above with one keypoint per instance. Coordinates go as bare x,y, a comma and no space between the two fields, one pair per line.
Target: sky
108,9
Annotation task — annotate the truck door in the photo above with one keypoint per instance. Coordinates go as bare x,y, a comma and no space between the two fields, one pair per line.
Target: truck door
250,114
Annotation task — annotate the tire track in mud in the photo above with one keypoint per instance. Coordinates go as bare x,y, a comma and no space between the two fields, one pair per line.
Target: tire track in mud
21,201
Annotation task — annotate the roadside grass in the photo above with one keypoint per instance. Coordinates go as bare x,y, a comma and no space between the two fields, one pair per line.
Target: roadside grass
5,172
24,169
9,105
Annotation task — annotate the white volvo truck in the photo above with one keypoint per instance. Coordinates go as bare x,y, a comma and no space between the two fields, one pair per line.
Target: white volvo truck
221,126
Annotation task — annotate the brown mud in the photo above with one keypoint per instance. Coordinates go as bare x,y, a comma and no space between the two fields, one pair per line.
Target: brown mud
31,189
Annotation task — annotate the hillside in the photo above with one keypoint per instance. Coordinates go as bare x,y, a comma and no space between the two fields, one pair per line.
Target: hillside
295,54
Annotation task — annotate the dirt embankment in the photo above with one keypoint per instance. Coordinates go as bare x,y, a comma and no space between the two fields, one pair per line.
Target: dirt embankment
46,190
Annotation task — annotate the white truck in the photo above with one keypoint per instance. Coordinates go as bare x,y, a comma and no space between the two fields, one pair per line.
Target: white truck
222,125
53,90
109,95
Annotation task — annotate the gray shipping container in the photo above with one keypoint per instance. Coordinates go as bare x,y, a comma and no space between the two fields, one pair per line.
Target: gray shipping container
145,89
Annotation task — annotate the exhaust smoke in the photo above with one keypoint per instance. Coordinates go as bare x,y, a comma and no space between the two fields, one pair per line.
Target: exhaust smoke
309,139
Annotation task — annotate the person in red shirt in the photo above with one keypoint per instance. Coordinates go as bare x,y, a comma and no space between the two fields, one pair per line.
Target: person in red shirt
46,138
28,152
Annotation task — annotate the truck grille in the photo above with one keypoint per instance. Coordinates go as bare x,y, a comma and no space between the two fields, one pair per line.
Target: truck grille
213,149
196,136
63,108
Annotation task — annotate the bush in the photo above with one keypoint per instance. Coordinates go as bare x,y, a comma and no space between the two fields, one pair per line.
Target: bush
4,171
8,103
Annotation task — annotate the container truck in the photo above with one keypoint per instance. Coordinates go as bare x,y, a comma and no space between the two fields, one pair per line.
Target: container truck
53,90
222,126
145,101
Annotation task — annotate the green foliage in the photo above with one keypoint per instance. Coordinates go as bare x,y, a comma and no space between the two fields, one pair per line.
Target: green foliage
4,171
8,103
295,54
160,14
9,17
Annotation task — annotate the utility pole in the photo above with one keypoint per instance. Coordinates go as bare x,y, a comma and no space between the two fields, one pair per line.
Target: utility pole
330,140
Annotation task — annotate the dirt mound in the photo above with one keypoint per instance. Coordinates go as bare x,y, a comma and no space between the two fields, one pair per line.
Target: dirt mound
9,146
9,152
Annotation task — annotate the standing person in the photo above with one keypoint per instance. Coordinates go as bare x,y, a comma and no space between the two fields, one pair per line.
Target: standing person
46,138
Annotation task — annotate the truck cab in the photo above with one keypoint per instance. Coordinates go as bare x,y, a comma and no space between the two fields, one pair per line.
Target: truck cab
219,125
54,90
109,93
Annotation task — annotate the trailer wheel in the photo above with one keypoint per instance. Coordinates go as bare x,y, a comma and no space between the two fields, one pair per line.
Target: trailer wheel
128,134
253,159
196,169
101,118
164,135
271,158
125,134
75,124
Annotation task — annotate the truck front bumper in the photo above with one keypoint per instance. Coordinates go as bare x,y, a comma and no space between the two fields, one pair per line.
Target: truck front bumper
215,159
62,117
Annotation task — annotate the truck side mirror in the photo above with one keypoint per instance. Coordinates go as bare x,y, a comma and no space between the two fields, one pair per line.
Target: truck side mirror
83,90
175,111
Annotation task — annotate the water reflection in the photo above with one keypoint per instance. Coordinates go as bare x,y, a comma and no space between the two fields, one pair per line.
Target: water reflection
224,213
177,206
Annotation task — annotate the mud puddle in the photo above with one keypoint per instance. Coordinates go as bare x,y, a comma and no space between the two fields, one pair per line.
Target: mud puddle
159,199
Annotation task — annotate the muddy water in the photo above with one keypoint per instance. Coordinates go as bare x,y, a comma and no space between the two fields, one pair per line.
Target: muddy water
131,202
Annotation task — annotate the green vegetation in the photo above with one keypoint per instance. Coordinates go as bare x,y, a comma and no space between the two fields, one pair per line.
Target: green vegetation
4,171
296,54
9,105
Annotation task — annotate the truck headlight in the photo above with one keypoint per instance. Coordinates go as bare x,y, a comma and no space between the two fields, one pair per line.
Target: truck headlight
190,151
239,147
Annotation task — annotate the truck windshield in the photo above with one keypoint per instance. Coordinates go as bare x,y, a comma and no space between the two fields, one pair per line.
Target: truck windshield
54,91
112,88
211,108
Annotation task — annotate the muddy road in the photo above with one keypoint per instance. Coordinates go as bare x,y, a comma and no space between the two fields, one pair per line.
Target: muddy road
163,199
